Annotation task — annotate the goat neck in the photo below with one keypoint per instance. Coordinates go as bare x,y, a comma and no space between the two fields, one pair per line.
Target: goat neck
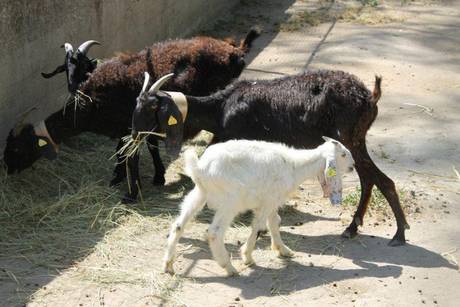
203,113
62,125
307,163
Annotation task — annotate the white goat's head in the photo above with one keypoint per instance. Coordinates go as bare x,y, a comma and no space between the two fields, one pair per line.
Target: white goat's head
338,162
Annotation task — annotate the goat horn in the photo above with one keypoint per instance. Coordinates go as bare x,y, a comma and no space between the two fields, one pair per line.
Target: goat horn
84,48
146,81
157,85
18,127
68,47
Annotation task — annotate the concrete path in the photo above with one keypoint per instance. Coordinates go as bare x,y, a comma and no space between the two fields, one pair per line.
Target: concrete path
415,140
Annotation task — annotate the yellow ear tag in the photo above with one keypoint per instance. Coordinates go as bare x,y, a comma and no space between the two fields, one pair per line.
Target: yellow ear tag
331,172
42,143
172,121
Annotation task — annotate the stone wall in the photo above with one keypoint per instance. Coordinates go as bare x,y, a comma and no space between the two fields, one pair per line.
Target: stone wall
32,31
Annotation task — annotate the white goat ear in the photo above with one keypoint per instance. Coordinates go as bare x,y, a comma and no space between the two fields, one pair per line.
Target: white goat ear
328,139
67,47
333,182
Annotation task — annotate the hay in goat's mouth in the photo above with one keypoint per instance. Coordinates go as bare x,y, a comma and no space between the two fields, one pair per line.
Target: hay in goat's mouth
79,101
130,148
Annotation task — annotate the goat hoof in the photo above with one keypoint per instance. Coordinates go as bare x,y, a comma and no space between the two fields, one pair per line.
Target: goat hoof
248,260
283,251
399,238
168,268
286,253
159,181
116,181
231,271
127,199
349,234
396,242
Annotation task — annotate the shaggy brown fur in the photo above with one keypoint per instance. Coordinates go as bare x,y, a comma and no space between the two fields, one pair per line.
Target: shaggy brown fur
203,65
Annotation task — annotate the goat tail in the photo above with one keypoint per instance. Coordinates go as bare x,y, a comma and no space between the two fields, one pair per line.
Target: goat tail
191,165
377,92
246,43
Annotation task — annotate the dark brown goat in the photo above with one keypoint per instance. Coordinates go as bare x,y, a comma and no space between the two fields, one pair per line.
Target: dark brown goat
298,111
206,65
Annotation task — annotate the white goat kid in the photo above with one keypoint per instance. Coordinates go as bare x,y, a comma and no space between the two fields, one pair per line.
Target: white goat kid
241,175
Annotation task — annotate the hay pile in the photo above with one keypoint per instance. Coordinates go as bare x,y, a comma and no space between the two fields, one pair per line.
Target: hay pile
53,213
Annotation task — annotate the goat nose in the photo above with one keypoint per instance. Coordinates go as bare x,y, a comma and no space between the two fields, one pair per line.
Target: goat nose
351,168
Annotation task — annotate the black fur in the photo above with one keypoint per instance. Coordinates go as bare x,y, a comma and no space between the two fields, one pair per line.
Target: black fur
298,111
77,69
203,65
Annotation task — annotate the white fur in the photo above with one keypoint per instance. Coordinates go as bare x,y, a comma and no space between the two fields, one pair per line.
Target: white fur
241,175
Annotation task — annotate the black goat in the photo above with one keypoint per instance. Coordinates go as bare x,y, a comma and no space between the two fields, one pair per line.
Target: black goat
109,97
297,111
77,65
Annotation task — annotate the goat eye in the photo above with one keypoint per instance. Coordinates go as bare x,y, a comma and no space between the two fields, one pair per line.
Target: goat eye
344,155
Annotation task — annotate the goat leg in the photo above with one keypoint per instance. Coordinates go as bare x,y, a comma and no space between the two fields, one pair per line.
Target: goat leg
133,180
358,217
388,189
159,177
369,175
120,170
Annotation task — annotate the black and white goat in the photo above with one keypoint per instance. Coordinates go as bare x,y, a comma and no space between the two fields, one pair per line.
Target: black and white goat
109,97
297,111
77,65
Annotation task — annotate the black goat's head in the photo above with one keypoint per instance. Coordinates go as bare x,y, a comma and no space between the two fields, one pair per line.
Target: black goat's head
76,65
24,147
157,112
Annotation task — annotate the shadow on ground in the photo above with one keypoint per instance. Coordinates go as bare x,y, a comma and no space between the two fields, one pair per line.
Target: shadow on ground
370,253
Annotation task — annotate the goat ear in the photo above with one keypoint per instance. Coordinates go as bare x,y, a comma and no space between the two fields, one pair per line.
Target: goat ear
333,182
67,47
328,139
46,148
58,70
338,134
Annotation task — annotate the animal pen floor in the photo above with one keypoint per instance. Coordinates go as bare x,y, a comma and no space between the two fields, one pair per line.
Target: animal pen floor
65,240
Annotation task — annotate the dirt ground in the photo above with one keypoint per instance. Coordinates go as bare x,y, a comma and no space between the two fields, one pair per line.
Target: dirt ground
116,260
